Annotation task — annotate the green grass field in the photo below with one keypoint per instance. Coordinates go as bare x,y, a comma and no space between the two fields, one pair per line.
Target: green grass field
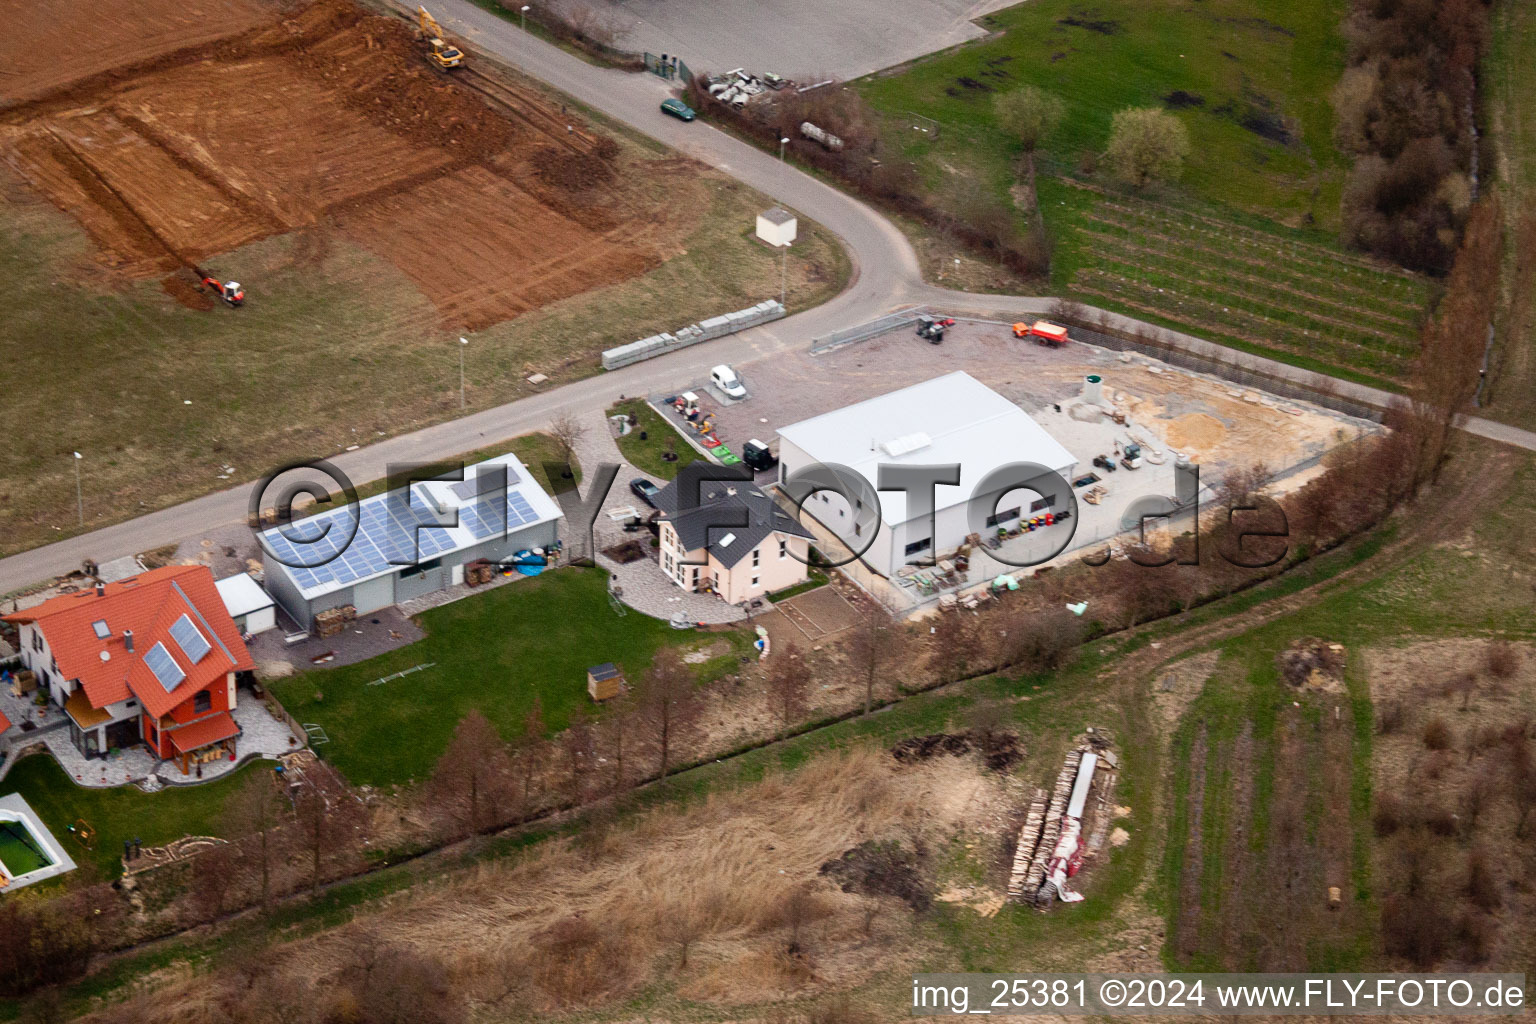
1241,250
120,813
645,454
494,653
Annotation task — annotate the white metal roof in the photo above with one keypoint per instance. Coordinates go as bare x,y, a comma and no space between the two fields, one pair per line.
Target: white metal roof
963,421
388,529
242,595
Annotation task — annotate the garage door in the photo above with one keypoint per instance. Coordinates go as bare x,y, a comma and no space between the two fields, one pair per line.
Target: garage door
374,594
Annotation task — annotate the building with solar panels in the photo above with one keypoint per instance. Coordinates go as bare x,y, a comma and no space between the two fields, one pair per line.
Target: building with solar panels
409,542
153,659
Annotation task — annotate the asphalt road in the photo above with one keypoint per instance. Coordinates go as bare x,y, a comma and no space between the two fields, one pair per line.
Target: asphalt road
886,277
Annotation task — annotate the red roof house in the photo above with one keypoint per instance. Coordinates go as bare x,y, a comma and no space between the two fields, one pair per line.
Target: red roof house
152,659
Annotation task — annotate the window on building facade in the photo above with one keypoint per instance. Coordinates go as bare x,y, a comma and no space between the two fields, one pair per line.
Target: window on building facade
37,639
919,545
757,557
1002,517
203,701
755,582
783,548
1048,501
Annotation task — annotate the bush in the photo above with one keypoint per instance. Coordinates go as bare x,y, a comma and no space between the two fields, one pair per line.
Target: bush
1392,717
1415,928
1502,659
1146,145
1437,734
1388,815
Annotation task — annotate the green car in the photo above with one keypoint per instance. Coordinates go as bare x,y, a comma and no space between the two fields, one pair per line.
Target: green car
678,109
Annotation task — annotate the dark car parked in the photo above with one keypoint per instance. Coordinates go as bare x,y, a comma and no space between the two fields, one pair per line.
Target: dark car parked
644,490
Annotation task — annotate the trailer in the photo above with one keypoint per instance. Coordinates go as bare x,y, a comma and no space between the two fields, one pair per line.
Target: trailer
1043,332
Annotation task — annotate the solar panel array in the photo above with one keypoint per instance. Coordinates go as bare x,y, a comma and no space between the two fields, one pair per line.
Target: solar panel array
164,667
387,536
192,643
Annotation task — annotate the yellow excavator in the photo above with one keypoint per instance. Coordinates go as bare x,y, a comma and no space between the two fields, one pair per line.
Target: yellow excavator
442,54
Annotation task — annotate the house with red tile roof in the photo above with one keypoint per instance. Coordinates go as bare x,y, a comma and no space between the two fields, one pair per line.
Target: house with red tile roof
153,659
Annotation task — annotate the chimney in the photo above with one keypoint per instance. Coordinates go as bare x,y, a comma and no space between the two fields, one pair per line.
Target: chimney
128,640
101,589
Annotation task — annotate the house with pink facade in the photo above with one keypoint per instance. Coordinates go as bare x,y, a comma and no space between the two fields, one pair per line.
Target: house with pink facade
734,542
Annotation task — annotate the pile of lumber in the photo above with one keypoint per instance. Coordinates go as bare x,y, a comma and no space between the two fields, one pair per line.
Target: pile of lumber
334,620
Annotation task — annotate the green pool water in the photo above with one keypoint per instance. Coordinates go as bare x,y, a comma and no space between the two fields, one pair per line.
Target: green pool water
19,851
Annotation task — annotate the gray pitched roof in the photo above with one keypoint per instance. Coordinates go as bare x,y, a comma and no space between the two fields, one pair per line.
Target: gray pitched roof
731,517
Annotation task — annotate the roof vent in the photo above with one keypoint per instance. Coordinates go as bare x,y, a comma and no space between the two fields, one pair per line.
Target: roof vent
906,444
106,655
101,589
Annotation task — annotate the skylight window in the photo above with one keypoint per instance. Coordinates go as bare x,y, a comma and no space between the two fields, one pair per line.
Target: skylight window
727,540
101,629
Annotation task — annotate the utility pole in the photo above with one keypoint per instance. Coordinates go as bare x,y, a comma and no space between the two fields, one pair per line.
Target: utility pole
79,492
463,343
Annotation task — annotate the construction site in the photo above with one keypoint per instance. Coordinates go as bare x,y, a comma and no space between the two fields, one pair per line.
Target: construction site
175,135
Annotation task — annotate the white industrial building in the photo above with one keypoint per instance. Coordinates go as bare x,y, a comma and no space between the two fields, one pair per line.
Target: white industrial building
954,419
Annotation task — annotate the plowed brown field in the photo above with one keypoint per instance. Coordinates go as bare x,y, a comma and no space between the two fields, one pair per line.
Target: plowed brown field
174,148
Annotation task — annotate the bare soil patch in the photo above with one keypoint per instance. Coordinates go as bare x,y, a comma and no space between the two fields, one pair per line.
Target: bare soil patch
330,118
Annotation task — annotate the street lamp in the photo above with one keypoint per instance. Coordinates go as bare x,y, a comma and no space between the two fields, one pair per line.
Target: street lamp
783,141
463,343
523,13
79,494
784,273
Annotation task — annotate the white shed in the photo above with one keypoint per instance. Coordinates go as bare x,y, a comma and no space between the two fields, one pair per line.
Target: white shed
252,608
777,226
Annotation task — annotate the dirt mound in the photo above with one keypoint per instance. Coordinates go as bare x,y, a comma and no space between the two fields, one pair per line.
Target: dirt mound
1000,750
1314,665
1196,432
884,868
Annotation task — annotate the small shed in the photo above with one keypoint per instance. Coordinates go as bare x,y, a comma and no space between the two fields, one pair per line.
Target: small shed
252,608
777,226
604,682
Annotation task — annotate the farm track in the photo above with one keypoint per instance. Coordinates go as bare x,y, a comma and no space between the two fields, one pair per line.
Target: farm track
1312,287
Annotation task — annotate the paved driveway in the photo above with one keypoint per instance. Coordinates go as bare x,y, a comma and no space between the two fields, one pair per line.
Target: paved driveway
799,39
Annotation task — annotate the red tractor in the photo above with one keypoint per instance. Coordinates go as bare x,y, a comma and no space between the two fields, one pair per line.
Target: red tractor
229,291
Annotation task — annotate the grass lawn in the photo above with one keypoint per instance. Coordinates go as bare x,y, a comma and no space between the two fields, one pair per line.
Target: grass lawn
120,813
645,454
493,652
1242,250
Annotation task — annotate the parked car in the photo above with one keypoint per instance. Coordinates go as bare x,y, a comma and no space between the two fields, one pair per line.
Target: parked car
645,490
678,109
726,380
756,454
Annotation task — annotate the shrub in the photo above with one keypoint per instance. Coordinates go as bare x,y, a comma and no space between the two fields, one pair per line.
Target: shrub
1437,734
1388,815
1392,717
1145,145
1482,886
1415,928
1502,659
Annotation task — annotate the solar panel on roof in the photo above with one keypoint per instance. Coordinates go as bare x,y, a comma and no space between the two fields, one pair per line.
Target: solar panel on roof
164,667
192,642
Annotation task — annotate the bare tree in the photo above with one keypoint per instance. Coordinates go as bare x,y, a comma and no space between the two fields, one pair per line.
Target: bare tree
579,748
211,872
530,749
567,432
667,703
874,643
257,810
472,782
684,925
613,735
331,821
789,686
953,645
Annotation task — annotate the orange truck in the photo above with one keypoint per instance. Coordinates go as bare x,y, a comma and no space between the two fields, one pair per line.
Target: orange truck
1043,332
